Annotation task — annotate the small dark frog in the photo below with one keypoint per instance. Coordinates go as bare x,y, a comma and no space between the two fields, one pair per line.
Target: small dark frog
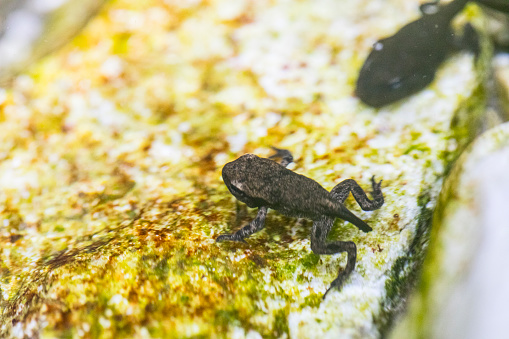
405,63
264,183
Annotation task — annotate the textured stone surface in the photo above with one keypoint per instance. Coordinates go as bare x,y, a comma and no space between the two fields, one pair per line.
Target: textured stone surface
111,152
462,293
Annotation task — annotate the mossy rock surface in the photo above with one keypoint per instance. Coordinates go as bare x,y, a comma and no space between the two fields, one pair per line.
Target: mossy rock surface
111,154
461,292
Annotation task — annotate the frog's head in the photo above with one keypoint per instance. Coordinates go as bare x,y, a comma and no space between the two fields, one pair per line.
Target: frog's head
236,176
382,81
241,176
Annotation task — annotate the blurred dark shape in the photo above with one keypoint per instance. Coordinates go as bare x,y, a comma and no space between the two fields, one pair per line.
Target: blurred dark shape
405,63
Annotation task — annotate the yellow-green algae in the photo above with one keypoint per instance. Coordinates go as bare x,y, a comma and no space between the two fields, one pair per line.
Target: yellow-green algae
111,155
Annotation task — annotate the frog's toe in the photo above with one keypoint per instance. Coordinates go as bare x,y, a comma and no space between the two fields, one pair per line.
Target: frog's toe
376,185
224,237
229,237
337,283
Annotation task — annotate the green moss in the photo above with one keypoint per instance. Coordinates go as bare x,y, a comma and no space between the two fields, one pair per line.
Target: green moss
417,147
310,260
280,323
313,300
123,220
406,269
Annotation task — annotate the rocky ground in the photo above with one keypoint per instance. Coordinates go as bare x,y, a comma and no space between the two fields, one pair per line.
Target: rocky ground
111,155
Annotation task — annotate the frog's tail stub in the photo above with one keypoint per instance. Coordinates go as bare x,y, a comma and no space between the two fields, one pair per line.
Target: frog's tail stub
345,214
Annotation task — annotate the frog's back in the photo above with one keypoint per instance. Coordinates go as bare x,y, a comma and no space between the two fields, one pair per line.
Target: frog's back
264,182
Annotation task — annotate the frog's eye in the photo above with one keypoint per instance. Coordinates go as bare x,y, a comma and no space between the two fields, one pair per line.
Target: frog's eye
395,83
429,8
378,46
235,189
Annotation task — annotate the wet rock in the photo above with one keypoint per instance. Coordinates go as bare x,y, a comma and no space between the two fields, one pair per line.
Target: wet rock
462,293
111,154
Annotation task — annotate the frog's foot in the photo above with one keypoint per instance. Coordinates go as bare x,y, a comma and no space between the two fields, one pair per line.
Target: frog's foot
343,189
337,283
230,237
254,226
284,154
377,186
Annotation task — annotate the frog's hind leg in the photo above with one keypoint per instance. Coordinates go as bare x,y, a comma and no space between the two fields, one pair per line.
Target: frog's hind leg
342,190
254,226
320,246
322,227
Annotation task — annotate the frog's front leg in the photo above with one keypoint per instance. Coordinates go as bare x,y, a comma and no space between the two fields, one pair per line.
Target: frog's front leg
343,189
254,226
285,155
320,245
